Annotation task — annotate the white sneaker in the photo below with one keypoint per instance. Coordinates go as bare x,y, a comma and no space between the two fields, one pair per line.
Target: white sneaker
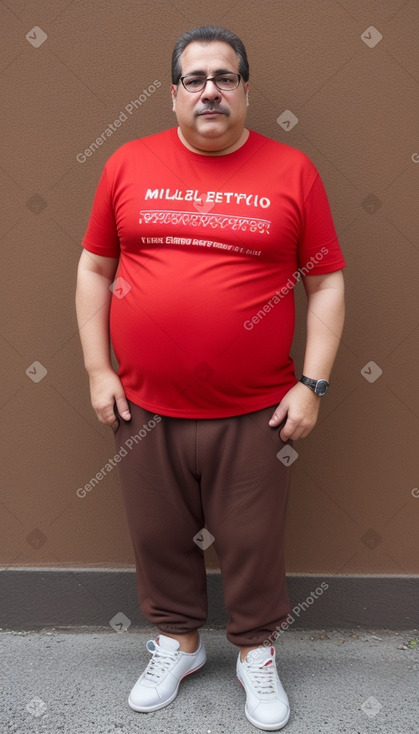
267,705
158,685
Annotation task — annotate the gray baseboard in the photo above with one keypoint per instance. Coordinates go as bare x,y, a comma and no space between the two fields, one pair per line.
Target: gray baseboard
33,599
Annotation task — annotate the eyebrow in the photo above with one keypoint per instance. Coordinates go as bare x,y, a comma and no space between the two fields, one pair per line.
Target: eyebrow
202,72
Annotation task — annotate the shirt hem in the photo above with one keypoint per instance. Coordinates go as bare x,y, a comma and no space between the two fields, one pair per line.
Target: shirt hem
202,414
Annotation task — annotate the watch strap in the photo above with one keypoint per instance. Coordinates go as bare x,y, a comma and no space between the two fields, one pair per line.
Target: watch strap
318,386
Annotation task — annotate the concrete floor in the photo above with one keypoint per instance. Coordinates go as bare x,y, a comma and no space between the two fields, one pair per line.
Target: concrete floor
77,682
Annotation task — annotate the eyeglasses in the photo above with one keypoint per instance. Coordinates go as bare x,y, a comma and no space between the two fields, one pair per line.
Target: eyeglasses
223,82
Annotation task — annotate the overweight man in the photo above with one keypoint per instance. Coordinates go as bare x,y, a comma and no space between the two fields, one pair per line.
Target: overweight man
196,240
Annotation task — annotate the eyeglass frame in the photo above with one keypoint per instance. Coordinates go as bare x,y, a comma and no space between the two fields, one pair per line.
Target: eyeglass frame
211,79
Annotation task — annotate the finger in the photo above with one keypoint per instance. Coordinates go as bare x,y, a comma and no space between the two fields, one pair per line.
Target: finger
290,431
123,408
278,416
105,414
306,431
286,433
295,430
108,416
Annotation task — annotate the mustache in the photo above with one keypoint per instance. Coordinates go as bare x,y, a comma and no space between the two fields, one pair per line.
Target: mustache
212,107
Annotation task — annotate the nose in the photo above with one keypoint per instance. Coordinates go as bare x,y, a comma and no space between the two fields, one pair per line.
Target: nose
211,92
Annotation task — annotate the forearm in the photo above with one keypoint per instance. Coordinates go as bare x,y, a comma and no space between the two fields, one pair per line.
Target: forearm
325,318
325,314
93,299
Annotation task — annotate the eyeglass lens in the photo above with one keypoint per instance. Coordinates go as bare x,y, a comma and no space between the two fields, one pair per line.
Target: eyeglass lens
225,82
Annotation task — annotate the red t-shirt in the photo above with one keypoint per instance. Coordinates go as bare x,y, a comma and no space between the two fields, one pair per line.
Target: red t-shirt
209,247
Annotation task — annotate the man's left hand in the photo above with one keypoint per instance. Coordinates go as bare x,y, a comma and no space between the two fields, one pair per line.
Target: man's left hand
300,407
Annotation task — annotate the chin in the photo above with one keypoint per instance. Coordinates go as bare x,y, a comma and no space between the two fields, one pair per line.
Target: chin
211,129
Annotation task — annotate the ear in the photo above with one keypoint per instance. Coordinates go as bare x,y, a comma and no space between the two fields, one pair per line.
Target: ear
173,91
246,89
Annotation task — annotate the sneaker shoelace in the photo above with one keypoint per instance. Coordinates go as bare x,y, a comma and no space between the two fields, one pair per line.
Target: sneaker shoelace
263,678
160,662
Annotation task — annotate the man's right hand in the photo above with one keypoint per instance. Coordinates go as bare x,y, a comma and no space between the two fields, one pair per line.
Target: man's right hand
106,390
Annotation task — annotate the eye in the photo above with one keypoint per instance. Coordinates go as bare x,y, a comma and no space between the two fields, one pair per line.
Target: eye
226,81
193,82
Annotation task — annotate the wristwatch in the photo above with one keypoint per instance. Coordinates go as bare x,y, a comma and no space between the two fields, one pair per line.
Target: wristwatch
320,387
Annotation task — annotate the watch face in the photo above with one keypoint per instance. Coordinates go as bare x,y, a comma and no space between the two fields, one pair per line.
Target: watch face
321,387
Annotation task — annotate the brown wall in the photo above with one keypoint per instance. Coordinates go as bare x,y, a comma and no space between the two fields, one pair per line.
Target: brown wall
354,505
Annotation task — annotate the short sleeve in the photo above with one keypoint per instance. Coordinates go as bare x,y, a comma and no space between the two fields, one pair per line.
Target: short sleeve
318,249
101,236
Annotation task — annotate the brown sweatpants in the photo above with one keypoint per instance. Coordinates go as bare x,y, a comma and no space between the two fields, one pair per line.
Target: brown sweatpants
181,475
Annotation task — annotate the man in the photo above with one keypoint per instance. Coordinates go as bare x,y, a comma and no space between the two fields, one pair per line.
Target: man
201,233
